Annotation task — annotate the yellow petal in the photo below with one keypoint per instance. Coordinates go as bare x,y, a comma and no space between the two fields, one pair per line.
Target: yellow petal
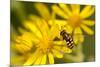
59,12
86,29
38,60
78,37
88,22
58,42
22,48
33,28
26,38
29,39
43,10
25,42
63,49
75,8
68,29
57,53
34,17
65,8
43,60
54,31
43,27
58,47
32,58
22,44
59,22
77,31
66,50
87,11
51,58
58,25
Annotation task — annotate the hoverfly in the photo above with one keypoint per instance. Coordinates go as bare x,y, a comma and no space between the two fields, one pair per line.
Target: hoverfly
68,38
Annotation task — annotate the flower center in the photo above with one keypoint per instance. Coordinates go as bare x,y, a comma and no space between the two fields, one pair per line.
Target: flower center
74,20
45,44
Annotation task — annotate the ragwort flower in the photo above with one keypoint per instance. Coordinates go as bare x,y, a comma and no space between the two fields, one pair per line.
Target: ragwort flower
43,11
40,43
76,20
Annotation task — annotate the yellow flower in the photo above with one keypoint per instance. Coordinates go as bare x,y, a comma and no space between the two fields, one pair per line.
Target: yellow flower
44,12
40,43
75,19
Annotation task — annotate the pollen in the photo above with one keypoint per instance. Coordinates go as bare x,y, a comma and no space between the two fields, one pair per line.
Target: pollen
45,45
74,20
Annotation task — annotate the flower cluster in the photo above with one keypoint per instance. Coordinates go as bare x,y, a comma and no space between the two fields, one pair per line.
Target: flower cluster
41,43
